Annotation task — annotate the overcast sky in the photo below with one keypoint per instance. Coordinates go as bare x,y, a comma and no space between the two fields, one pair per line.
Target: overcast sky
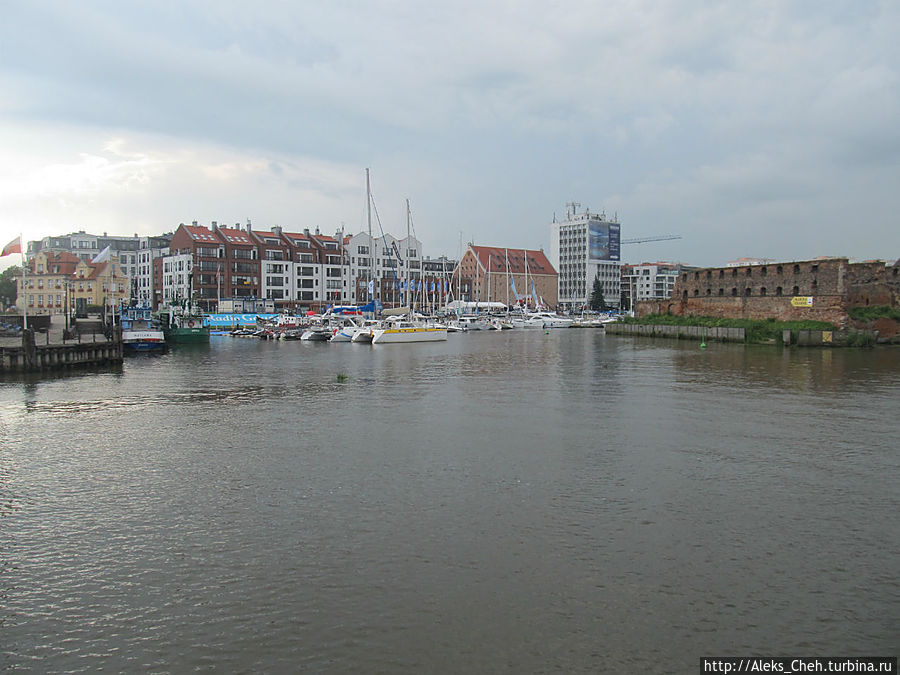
764,129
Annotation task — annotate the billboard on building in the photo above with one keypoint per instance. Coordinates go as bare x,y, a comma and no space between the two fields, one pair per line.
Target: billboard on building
604,240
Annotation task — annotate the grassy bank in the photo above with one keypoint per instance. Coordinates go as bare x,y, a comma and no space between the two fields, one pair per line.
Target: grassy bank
758,330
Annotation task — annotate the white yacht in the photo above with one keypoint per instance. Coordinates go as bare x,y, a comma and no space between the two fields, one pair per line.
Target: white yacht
546,320
404,330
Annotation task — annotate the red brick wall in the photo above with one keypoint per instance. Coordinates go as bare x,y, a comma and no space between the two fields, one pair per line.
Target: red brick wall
828,308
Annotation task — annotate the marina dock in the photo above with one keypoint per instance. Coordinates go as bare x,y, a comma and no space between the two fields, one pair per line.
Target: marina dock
50,347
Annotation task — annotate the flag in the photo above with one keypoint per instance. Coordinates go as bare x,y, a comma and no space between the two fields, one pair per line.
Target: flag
534,293
512,282
103,256
15,246
371,286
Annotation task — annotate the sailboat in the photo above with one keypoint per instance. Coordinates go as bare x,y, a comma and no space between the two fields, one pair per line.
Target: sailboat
406,329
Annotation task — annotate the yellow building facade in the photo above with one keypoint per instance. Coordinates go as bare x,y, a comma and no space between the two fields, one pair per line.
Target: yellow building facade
52,280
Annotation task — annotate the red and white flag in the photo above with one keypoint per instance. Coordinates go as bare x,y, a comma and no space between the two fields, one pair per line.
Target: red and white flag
15,246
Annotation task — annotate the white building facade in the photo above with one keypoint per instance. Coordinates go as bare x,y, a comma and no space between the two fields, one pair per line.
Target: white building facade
387,261
585,247
649,281
176,275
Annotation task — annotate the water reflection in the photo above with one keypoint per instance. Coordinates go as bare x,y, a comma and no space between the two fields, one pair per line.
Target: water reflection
515,501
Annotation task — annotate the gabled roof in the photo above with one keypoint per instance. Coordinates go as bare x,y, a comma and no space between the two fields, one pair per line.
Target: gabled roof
199,233
234,236
297,236
495,257
65,260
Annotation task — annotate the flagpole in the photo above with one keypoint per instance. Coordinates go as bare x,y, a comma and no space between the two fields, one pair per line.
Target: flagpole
24,296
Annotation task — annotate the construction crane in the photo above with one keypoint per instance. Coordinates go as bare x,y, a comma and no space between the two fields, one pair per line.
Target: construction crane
663,237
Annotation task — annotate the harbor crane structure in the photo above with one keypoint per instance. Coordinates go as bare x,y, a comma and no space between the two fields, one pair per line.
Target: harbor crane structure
641,240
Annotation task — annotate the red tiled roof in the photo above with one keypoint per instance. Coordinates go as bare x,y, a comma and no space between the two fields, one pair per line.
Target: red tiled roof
495,257
235,236
199,233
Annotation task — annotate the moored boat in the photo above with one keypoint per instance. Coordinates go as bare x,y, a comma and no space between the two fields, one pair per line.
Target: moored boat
408,331
183,324
140,333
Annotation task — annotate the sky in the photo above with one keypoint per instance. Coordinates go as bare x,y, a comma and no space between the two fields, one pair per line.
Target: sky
755,129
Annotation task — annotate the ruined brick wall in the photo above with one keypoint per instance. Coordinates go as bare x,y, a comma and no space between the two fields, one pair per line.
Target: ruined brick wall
765,291
810,277
829,308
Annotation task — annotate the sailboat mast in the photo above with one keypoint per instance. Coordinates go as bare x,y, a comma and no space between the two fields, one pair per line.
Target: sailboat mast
525,256
507,279
406,258
371,241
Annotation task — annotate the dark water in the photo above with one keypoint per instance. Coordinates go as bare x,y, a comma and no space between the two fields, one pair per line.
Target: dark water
502,502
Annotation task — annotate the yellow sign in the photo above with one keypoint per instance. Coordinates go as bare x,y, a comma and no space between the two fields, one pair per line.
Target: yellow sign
802,301
826,336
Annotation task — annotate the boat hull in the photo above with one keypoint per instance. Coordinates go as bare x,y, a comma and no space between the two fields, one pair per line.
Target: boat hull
185,334
145,341
402,335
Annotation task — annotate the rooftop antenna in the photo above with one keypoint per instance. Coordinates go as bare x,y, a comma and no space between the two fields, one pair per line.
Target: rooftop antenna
574,206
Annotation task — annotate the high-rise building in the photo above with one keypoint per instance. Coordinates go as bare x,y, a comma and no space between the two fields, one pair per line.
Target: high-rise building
583,247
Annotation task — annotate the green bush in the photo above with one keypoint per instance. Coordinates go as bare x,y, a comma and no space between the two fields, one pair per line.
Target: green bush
757,330
874,312
860,339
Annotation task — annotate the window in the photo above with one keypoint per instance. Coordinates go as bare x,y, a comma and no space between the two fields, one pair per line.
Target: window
734,292
795,290
362,250
763,291
748,291
721,291
796,269
814,269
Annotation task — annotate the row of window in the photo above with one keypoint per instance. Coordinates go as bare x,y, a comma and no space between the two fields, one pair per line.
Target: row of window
763,271
763,291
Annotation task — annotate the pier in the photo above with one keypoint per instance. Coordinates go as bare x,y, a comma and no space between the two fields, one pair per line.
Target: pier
53,348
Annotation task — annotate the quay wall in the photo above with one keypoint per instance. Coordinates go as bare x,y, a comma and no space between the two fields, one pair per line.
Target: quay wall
718,333
31,357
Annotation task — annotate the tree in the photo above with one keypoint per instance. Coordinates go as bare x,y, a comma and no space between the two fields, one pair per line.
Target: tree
8,291
597,301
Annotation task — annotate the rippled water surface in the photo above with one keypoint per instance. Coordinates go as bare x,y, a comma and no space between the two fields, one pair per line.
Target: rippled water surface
515,501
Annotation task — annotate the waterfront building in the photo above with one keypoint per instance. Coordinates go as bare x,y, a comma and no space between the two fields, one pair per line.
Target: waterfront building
649,281
87,246
54,281
583,247
382,260
146,285
506,275
823,289
744,262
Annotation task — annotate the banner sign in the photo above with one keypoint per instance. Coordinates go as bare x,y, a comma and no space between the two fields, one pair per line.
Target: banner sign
234,319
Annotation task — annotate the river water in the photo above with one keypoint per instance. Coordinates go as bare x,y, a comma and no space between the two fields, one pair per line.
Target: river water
503,502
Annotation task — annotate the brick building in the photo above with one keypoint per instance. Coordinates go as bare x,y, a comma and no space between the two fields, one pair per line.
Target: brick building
823,289
497,274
